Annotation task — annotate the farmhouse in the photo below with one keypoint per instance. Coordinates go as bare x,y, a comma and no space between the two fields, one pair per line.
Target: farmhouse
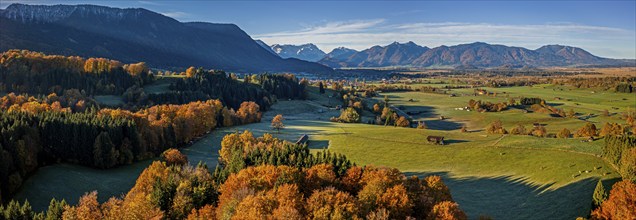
303,139
435,140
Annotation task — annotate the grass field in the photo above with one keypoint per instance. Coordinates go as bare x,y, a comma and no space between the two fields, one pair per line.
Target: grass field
505,177
109,100
488,175
582,101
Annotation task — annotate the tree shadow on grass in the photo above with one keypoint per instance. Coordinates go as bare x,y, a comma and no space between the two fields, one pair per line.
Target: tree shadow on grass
510,197
420,111
453,141
444,125
318,144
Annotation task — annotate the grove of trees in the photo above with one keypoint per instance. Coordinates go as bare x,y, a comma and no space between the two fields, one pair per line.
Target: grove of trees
23,71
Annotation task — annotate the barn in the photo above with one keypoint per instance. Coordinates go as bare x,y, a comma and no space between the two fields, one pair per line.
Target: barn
303,139
435,140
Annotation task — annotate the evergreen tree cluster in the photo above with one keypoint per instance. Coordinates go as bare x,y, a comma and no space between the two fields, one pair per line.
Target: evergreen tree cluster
215,84
615,146
283,85
621,151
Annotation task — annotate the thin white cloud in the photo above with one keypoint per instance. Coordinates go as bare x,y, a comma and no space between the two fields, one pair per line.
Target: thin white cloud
362,34
149,3
334,28
176,14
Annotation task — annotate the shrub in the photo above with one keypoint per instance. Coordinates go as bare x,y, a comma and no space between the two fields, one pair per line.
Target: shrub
539,131
496,128
402,122
564,133
349,115
421,125
174,157
519,130
588,130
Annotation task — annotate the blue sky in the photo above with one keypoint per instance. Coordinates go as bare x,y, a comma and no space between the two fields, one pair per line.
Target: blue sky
605,28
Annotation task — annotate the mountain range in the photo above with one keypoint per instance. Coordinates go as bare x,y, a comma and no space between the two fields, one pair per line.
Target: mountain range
308,52
473,55
135,35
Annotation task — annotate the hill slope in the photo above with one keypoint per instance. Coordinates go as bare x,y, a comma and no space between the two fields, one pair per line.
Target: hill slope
133,35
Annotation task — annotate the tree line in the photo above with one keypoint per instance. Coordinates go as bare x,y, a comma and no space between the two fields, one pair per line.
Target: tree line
618,84
23,71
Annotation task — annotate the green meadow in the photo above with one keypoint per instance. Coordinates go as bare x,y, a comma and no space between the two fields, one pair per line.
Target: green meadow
501,176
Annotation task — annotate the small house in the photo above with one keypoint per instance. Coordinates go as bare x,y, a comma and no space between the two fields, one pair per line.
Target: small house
589,139
303,139
435,140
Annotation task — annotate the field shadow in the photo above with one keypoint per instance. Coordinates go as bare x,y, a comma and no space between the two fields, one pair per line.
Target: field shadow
512,197
420,111
555,104
454,141
318,144
443,125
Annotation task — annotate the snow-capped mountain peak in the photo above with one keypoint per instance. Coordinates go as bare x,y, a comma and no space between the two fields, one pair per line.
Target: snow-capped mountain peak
309,52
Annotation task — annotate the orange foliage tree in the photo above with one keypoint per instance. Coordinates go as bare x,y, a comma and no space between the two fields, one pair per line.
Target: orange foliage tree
621,203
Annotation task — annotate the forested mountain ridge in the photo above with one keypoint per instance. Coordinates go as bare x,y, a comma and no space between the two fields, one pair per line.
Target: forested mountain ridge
474,55
99,31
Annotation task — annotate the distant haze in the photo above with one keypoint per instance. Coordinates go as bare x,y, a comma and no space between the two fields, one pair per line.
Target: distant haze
604,28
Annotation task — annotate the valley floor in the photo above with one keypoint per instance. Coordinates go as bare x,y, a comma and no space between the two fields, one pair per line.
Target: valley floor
505,177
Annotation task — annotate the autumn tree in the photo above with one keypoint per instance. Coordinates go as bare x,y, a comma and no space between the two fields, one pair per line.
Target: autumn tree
376,108
174,157
519,130
496,127
611,129
190,71
88,208
331,203
539,131
421,125
349,115
402,122
318,177
588,130
564,133
448,211
396,201
206,212
277,122
621,203
249,112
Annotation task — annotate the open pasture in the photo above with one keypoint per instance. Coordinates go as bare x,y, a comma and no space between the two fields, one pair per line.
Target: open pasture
588,104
